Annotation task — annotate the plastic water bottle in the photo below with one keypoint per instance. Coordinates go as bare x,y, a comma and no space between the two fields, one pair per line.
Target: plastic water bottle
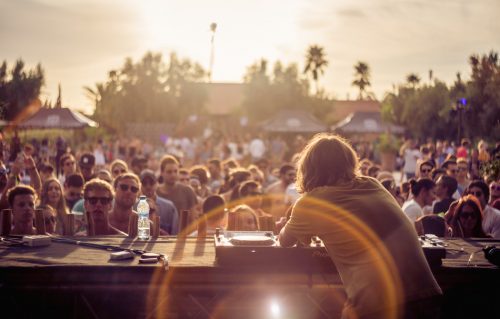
143,221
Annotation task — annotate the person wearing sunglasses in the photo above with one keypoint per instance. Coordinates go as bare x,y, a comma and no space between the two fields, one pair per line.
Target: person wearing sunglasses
118,167
67,166
425,169
22,200
127,187
491,216
467,218
98,197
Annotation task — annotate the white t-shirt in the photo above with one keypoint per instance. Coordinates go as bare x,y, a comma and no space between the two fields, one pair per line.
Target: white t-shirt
412,210
257,148
411,156
491,221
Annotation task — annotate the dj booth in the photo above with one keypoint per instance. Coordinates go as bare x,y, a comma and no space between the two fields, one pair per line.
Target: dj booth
209,278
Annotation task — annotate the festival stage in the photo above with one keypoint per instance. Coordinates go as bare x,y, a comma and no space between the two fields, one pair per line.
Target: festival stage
69,281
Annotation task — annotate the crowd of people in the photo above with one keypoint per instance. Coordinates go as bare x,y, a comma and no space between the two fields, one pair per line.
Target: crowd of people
442,189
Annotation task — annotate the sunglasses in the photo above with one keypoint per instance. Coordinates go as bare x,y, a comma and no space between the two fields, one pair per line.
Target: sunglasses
454,171
125,187
119,171
468,215
102,200
477,194
425,170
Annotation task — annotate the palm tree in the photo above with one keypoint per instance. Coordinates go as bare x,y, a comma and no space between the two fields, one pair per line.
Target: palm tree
362,78
413,79
315,63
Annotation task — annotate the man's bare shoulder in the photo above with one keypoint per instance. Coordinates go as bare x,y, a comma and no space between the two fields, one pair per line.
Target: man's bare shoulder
274,188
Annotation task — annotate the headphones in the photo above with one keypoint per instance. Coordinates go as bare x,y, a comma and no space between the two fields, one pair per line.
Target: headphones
492,253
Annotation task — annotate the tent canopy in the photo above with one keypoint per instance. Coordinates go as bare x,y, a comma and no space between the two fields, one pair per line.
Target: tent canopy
366,122
292,121
55,118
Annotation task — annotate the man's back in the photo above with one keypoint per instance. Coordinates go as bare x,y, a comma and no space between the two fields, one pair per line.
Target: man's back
372,243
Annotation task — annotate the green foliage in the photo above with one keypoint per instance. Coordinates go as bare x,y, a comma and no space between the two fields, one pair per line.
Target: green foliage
266,95
149,90
429,110
362,79
315,63
491,169
18,88
388,144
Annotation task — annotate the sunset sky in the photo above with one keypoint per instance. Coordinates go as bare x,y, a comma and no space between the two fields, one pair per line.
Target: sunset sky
79,41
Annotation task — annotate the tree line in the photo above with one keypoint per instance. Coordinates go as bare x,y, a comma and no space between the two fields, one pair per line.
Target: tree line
155,89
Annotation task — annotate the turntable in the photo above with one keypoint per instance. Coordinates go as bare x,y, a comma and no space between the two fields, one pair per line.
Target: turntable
260,249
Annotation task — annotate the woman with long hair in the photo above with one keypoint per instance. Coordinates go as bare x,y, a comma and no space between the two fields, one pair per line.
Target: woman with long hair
52,194
467,218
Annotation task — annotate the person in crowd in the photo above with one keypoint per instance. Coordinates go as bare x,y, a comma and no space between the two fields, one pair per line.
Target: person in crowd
213,214
169,216
52,194
425,169
463,149
390,185
257,148
245,219
345,210
118,167
216,179
46,171
265,167
184,176
364,165
466,218
257,174
374,170
200,173
462,175
494,191
451,167
21,199
98,197
446,186
153,212
423,192
410,154
4,172
483,155
68,166
491,216
251,194
73,189
181,195
49,218
437,172
127,187
236,177
276,191
87,165
105,175
432,224
138,164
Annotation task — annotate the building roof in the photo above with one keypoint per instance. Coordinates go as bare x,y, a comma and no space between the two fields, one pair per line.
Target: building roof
342,108
47,118
294,121
366,122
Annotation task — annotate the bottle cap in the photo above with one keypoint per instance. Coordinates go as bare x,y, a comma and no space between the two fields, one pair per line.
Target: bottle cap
142,197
